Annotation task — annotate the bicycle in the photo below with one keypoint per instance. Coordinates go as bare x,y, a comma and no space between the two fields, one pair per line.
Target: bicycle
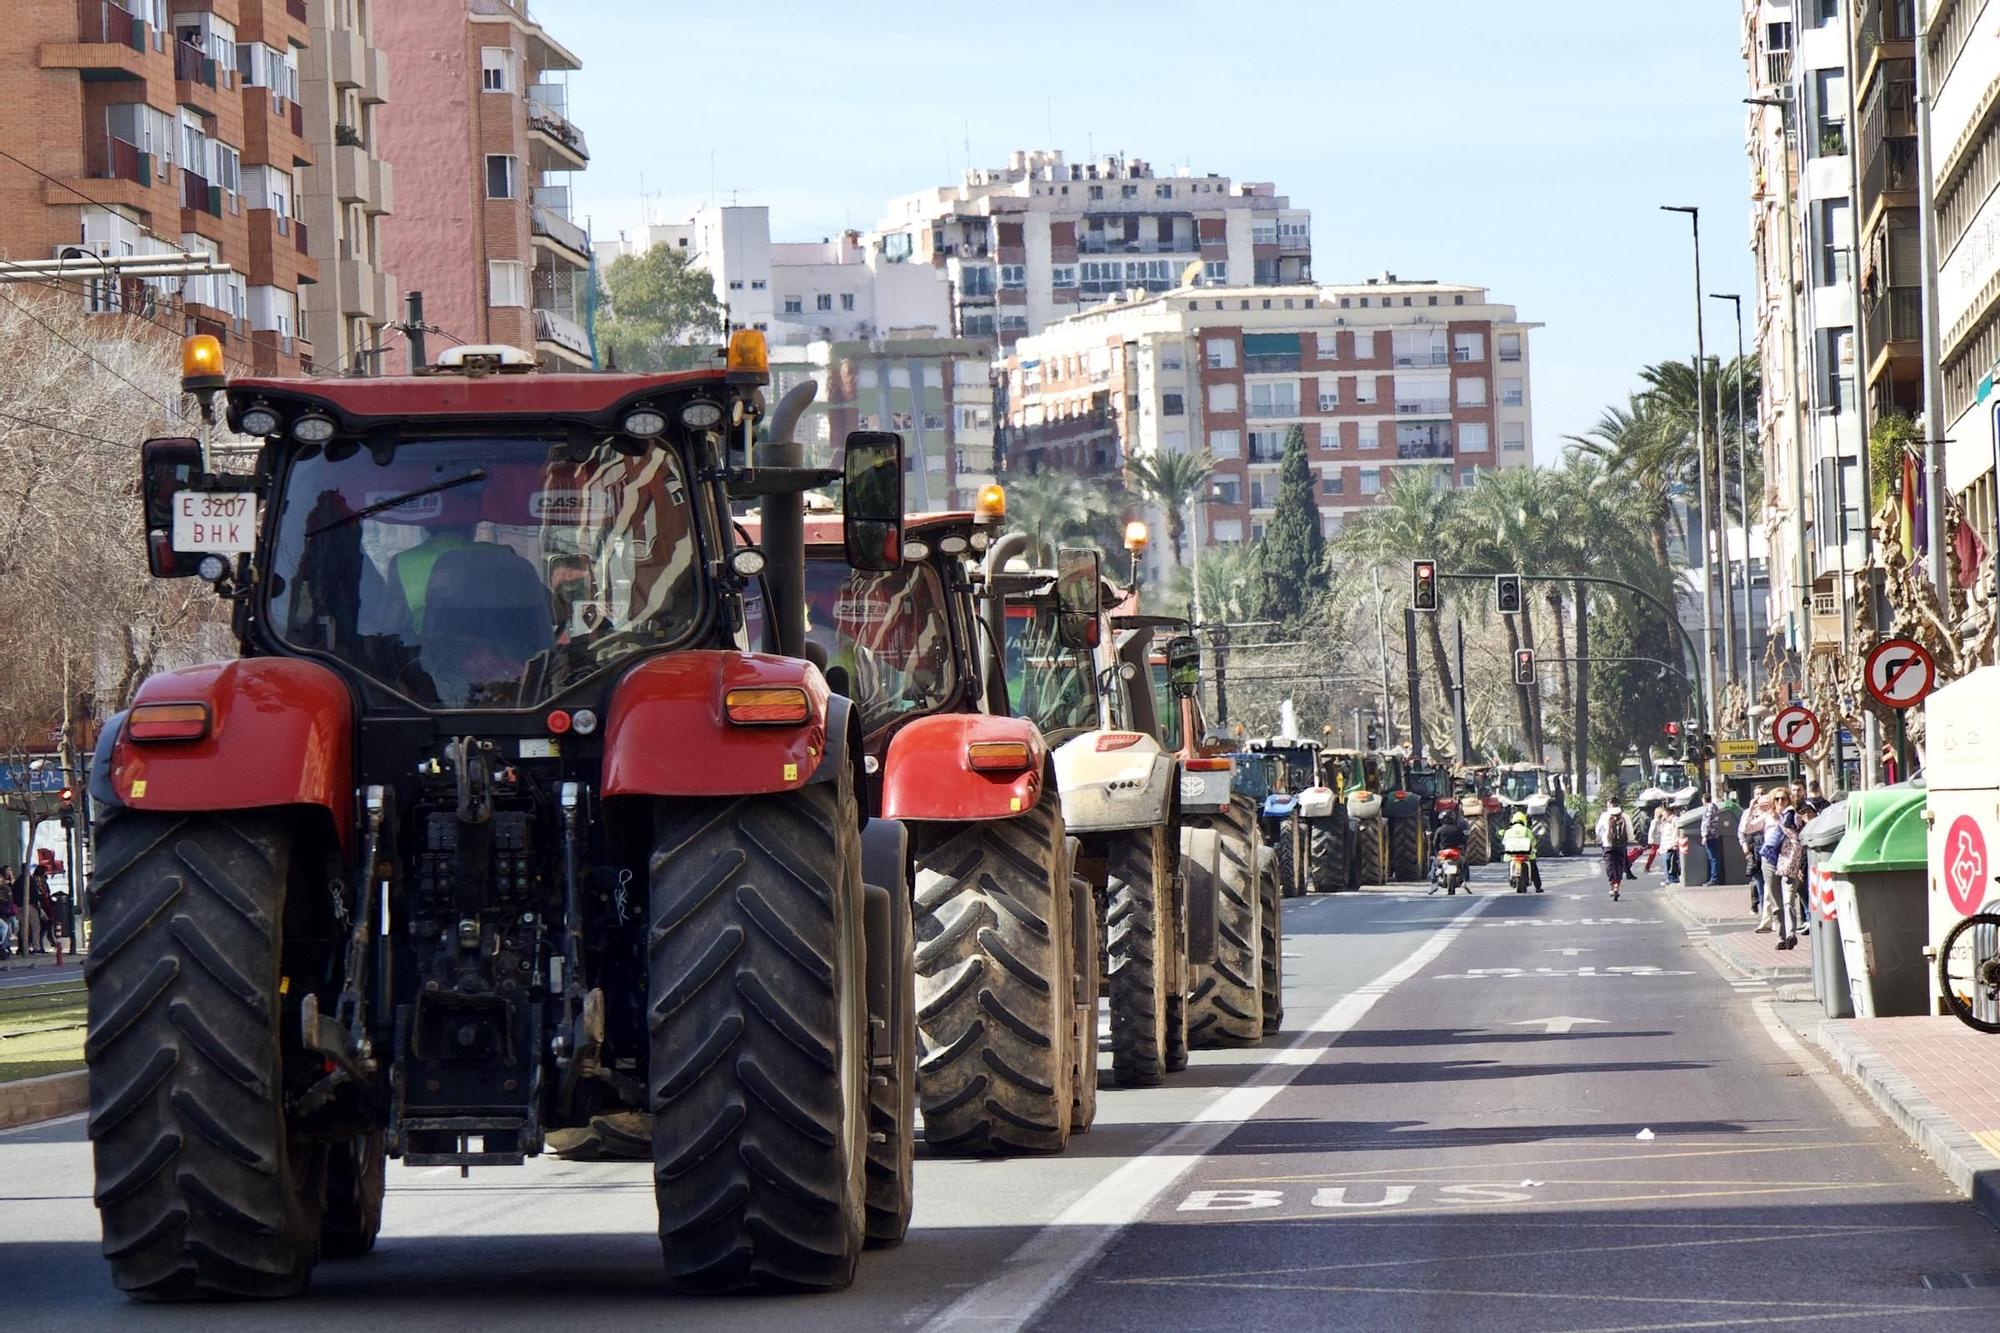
1969,972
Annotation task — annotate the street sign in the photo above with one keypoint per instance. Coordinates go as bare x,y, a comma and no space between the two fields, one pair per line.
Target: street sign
1965,865
1795,728
1737,749
1900,673
1740,768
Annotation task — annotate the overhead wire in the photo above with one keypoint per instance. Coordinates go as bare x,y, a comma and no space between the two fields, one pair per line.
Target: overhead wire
173,408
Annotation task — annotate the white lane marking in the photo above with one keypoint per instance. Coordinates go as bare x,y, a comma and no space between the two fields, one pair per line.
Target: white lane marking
1556,1023
1845,1100
1038,1272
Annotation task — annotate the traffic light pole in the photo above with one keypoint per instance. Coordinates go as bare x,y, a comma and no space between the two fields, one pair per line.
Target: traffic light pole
1416,693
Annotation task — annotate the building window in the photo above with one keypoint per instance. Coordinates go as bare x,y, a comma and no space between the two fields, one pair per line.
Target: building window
1228,491
1013,323
1274,399
794,306
1458,300
1221,353
1364,389
1467,348
1014,275
1368,435
976,280
1510,347
1222,398
1163,191
1215,271
1129,192
1063,275
1172,405
1097,192
1364,345
757,284
501,173
506,283
1472,391
1472,437
1467,476
1170,358
1329,346
1513,436
496,69
1225,443
736,284
1511,393
1332,483
1371,481
1329,396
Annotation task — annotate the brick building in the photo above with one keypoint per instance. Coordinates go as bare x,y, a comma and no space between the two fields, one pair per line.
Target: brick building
481,134
1382,375
151,127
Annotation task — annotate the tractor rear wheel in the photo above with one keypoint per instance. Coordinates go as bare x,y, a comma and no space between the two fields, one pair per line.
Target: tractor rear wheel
1140,925
203,1192
1271,959
356,1176
1089,981
1225,1004
994,968
760,1053
1370,855
1406,849
1329,856
1290,881
892,1094
1477,851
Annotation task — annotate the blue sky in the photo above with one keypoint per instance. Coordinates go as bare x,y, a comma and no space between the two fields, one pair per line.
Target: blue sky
1525,145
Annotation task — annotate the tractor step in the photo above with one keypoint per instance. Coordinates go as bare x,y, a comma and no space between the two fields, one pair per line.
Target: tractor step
448,1141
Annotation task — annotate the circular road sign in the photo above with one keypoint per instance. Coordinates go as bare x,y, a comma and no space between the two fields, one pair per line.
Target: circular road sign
1795,728
1900,673
1965,865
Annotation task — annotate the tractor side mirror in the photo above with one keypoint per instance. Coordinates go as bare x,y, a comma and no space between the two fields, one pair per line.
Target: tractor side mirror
872,500
1079,585
168,467
1184,665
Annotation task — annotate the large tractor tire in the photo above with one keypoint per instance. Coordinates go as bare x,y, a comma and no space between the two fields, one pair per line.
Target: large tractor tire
994,992
1271,960
1371,854
1140,926
1226,1001
1328,839
1290,881
202,1191
1089,983
356,1177
1406,849
892,1094
1478,850
760,1043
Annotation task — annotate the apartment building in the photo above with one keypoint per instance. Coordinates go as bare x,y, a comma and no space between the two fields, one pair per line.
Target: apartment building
158,128
836,289
1026,244
936,392
481,131
348,188
1380,375
1963,37
1891,276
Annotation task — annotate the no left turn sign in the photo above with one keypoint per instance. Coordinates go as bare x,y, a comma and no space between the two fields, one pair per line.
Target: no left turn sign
1795,728
1900,673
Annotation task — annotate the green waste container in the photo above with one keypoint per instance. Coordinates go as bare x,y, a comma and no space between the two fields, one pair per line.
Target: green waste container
1884,909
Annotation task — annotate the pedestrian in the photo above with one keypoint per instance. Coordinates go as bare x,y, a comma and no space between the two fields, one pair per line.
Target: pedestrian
10,915
1793,863
46,938
1770,851
1659,835
1614,835
1711,837
1750,837
1676,842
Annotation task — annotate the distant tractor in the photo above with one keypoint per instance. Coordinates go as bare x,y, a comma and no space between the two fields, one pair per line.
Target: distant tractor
1323,843
1357,777
1406,815
1544,795
501,822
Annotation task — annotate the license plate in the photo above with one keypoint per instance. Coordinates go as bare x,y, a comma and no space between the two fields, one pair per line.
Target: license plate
224,522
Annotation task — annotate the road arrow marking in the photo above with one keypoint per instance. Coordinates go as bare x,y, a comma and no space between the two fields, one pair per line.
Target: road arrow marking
1561,1023
1567,953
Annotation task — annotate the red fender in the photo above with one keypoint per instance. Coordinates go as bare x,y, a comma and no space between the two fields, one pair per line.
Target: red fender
926,774
667,736
281,733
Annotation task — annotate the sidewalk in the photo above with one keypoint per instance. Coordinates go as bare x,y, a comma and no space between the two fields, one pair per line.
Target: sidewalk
1937,1079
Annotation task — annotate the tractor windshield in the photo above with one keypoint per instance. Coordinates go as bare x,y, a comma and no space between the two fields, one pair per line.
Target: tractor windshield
1050,685
891,632
1167,705
518,568
1519,785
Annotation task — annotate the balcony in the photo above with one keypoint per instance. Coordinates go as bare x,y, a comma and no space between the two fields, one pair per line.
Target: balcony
1279,409
1096,243
102,21
112,159
1434,356
566,148
1423,407
1295,245
361,179
1423,442
1892,168
1896,316
297,9
552,226
1883,21
1272,363
355,64
559,330
198,196
302,238
363,292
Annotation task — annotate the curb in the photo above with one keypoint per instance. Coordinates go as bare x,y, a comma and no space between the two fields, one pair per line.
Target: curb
1725,957
26,1101
1964,1161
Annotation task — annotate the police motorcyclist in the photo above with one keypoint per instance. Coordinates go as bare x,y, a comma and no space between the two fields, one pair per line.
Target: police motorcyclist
1450,836
1520,840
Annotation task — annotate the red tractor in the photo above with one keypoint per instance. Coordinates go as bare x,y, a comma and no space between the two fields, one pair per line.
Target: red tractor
499,822
1006,957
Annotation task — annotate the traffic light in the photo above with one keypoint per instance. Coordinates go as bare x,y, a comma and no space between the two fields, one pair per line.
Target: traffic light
1424,573
1507,594
1374,737
67,796
1673,728
1524,666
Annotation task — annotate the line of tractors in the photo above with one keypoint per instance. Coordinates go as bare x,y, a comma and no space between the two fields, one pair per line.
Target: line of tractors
574,784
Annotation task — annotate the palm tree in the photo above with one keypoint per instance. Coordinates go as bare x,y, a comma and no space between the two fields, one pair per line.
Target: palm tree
1507,527
1412,519
1172,482
1636,443
1052,508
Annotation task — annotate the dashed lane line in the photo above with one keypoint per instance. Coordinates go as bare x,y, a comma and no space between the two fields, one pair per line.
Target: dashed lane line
1044,1266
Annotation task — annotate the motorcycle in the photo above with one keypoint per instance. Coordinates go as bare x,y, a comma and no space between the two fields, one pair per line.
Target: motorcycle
1517,871
1451,871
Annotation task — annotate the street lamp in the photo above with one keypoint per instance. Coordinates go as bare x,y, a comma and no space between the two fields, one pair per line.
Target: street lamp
1742,496
1701,470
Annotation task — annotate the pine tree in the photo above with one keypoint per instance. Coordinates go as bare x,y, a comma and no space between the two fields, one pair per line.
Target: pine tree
1291,562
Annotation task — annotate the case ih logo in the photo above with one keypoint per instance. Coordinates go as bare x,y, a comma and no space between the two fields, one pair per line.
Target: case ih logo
1965,865
558,506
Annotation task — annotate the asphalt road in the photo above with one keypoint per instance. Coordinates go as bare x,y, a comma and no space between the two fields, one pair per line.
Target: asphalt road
1542,1112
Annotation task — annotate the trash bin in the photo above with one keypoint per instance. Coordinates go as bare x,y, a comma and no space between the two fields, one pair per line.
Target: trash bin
1695,870
1881,902
1829,962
